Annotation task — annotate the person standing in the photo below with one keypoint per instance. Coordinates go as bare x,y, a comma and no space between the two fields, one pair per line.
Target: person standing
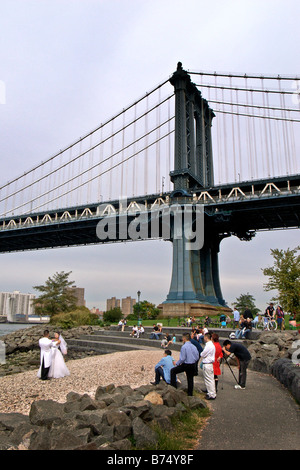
269,314
247,313
188,359
236,317
46,345
243,357
218,357
279,317
196,343
208,359
270,311
58,368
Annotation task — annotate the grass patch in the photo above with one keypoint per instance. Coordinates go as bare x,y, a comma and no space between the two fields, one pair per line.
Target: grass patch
185,433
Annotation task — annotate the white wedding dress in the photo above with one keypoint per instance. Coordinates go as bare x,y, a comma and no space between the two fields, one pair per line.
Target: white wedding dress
58,368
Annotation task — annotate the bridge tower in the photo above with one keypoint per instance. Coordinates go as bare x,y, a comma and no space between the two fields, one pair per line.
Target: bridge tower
195,287
193,162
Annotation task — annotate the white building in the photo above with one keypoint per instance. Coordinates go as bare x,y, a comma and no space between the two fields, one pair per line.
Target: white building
15,303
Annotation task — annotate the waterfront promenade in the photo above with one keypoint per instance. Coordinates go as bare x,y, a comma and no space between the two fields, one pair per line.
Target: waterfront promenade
264,416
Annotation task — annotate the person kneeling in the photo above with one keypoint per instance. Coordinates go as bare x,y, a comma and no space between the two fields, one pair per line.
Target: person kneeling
163,368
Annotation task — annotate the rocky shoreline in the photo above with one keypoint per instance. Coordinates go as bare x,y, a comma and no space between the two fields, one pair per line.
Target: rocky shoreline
116,418
278,353
104,403
270,347
23,352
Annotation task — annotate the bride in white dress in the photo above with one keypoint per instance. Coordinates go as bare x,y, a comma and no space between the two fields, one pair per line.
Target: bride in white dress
58,367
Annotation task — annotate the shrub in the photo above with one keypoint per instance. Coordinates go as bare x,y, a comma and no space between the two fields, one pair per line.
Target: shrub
145,310
112,316
80,316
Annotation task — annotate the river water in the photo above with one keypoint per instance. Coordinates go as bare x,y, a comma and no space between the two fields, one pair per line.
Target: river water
6,328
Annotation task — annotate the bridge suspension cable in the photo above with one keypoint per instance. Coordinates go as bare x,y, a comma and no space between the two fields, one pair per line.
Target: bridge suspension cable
135,103
246,75
254,135
122,143
255,106
255,124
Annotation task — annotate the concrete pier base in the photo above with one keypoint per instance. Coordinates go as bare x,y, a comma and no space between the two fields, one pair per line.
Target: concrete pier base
191,310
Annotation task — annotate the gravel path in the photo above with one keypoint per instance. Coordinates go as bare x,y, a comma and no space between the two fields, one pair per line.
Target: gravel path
133,368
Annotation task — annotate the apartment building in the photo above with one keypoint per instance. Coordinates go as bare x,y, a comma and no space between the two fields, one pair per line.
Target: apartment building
125,304
16,303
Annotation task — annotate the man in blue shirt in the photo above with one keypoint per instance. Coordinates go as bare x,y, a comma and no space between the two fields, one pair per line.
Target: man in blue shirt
163,368
188,359
196,343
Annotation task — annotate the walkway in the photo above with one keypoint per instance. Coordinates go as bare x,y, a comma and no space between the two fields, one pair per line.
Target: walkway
264,416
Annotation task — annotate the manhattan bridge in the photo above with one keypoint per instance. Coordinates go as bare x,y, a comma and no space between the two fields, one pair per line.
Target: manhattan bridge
221,148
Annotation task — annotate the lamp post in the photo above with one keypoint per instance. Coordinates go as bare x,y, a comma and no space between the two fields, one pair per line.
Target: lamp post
139,294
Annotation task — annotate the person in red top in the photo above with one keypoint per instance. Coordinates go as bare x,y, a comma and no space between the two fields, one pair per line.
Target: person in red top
218,357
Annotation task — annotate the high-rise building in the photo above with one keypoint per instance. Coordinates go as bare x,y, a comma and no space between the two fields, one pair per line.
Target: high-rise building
16,303
78,292
127,306
112,303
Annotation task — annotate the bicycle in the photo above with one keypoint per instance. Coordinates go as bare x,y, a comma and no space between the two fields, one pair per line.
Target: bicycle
267,323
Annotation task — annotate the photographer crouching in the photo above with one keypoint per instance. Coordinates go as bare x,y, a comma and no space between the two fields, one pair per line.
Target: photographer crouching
243,357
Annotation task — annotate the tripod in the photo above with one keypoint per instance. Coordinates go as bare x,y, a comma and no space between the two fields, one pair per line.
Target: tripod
223,362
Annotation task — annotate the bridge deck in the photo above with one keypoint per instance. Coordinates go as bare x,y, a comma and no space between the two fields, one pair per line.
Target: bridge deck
238,210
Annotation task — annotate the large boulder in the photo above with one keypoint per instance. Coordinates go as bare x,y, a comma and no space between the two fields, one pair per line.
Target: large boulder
44,412
81,403
92,420
10,421
139,409
13,429
104,390
40,439
143,435
63,439
154,398
288,374
119,422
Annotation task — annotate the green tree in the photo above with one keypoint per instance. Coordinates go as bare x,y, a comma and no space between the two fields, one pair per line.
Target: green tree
246,300
145,310
56,295
284,276
112,316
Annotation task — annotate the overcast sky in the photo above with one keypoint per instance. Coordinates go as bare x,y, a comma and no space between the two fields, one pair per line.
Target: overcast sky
68,65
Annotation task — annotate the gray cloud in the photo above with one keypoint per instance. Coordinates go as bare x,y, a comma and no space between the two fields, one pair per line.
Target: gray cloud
68,66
